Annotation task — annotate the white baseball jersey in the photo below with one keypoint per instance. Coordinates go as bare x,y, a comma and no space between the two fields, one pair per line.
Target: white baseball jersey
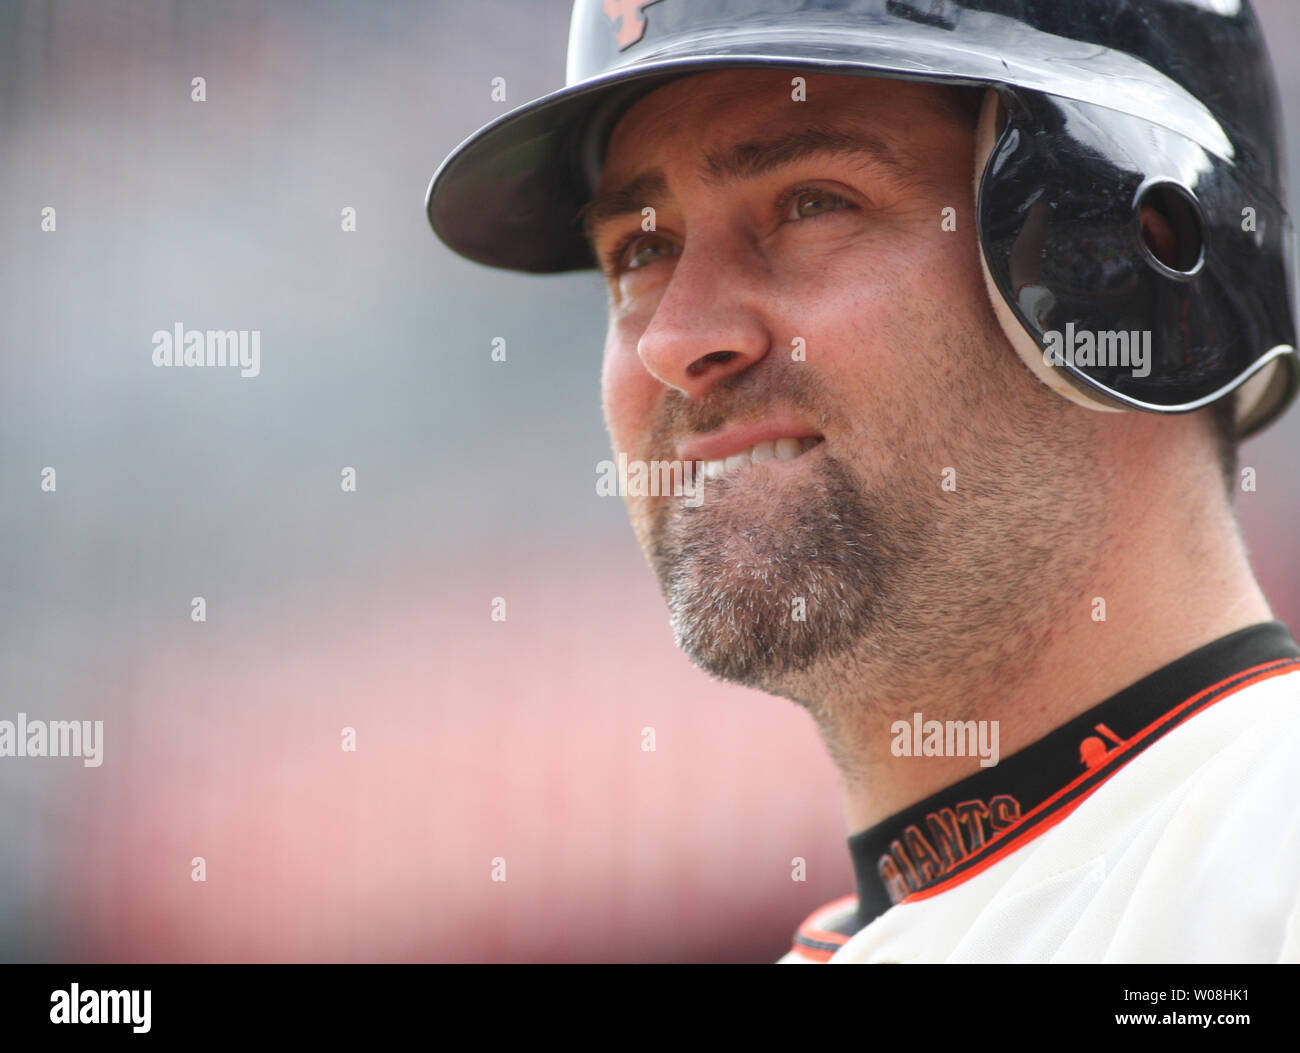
1161,826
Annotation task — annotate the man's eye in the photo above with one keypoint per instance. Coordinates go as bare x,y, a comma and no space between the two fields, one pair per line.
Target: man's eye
642,250
805,204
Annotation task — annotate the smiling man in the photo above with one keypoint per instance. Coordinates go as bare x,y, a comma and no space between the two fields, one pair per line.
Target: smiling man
959,311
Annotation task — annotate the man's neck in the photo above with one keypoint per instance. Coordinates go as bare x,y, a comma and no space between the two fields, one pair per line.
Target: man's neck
1167,590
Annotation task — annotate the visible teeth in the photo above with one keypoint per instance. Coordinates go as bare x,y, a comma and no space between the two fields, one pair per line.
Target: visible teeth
786,449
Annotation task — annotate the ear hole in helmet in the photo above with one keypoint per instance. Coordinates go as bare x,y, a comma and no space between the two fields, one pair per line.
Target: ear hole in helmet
1170,226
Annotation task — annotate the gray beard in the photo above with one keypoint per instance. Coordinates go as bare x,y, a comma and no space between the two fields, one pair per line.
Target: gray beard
732,590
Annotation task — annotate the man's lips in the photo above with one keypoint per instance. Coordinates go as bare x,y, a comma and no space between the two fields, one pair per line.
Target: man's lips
742,438
736,448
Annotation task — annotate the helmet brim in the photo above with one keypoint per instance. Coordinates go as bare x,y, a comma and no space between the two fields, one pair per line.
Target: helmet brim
510,195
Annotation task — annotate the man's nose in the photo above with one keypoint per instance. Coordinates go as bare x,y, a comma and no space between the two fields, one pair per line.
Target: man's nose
706,326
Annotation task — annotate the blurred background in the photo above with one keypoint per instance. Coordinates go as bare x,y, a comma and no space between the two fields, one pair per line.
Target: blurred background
476,740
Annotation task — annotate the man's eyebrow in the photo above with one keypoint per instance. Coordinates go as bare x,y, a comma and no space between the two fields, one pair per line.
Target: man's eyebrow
629,198
758,157
741,161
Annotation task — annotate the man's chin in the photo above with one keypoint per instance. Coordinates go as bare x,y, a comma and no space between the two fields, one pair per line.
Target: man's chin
740,662
763,586
756,622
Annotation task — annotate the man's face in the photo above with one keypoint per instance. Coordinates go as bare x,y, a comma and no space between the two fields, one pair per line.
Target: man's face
803,313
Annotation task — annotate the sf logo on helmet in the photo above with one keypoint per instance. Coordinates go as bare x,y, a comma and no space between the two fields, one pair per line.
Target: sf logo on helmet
625,17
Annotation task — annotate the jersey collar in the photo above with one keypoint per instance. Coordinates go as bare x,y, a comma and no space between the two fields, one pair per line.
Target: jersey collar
959,831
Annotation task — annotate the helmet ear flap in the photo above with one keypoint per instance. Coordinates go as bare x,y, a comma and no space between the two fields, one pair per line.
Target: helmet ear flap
988,132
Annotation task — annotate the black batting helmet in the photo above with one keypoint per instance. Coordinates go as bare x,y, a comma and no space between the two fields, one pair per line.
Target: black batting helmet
1094,109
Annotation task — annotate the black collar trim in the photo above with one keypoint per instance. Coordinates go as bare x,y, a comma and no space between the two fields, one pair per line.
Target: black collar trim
958,832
